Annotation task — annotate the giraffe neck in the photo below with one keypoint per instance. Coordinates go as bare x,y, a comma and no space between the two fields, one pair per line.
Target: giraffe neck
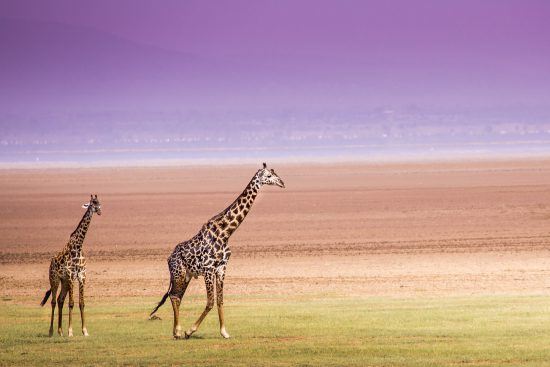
230,219
77,237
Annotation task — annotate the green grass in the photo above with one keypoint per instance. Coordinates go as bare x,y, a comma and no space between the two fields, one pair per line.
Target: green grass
306,331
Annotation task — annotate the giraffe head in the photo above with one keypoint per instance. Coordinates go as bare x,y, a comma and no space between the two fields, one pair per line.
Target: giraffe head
94,204
269,177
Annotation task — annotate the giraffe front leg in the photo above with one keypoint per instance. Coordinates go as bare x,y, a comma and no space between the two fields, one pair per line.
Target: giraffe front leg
71,306
220,275
209,281
81,306
60,302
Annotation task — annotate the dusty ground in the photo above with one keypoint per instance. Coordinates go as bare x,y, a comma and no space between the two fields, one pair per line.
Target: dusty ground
398,230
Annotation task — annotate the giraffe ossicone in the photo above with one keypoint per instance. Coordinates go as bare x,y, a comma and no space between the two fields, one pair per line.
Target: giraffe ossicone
69,266
207,254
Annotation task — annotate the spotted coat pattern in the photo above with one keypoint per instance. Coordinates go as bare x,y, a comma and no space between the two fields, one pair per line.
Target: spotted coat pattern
207,253
69,266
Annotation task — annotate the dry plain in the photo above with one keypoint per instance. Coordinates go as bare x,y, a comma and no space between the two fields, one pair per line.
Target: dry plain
400,230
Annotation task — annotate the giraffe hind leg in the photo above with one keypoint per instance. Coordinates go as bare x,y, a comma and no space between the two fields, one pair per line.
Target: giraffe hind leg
54,283
177,290
60,302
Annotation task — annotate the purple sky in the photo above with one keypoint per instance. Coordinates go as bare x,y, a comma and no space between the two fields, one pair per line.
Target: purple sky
481,29
275,53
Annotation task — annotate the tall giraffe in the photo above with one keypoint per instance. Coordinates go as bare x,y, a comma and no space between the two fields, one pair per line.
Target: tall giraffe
207,253
69,265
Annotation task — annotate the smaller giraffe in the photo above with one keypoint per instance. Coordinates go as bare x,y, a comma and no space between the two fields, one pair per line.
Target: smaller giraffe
69,265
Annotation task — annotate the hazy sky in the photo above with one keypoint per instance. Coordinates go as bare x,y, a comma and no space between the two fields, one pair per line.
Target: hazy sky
381,52
481,29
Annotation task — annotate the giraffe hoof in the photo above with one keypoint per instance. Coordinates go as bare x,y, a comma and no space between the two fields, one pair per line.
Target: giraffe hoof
50,334
187,335
85,332
225,334
70,332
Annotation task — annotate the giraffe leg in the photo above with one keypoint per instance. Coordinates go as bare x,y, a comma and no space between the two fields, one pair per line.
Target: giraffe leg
220,275
179,286
81,305
176,330
60,302
53,286
71,306
209,281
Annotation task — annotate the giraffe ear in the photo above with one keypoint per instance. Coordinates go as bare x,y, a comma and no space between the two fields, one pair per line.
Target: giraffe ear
85,206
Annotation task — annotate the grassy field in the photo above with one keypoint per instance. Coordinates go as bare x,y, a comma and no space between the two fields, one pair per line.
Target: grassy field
328,331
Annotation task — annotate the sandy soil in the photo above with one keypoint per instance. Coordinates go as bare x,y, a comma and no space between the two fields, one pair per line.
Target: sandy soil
433,229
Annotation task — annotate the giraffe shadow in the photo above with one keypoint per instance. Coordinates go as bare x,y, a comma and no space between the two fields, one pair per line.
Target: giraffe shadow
54,339
42,335
199,337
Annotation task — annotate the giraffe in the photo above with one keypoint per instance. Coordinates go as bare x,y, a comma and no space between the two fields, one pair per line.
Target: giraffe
69,265
207,254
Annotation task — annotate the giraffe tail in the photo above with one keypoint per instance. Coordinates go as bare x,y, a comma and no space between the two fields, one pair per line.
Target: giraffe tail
161,301
46,296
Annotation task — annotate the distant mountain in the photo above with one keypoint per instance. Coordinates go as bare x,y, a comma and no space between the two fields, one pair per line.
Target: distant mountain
59,66
47,66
